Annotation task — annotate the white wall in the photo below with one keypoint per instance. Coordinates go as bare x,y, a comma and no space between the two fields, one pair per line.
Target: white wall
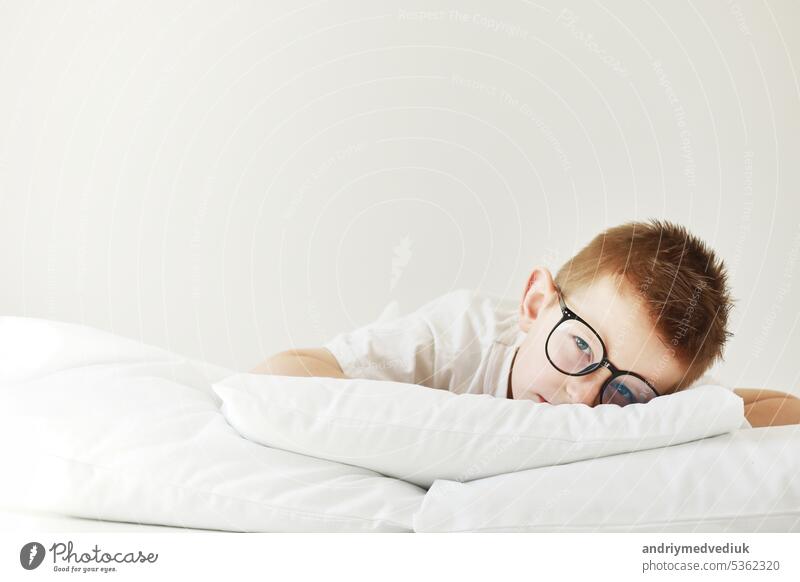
230,179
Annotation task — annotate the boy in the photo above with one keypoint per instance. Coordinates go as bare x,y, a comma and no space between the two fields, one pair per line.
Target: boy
639,312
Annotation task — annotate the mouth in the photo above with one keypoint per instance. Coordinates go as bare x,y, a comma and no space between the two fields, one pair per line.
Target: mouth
537,398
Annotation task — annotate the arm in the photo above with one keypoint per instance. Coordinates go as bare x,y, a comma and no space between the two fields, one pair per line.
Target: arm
305,362
769,407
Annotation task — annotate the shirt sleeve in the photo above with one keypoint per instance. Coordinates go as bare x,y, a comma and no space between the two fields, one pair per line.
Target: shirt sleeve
403,349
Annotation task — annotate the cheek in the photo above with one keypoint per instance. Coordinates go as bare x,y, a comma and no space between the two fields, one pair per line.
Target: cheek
533,372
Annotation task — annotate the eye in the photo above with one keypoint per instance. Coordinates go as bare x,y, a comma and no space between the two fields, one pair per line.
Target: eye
623,391
582,345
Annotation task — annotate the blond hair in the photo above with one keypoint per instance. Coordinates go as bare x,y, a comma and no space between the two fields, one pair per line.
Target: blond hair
678,279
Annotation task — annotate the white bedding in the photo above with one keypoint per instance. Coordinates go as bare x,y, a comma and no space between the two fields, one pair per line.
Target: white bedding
746,481
104,428
21,520
420,435
98,426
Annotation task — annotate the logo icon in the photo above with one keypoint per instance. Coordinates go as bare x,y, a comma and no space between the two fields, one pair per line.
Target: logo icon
31,555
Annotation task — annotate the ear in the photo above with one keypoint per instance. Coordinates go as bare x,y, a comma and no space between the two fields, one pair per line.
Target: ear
540,292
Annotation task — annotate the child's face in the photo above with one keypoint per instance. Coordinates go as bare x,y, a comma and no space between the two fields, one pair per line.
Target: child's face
631,341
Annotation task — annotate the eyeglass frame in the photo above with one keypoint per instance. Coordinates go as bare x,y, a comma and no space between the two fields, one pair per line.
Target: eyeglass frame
568,314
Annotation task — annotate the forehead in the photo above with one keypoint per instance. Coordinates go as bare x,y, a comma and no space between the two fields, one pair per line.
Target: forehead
632,342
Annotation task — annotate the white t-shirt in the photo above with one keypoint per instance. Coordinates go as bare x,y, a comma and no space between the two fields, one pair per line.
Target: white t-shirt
462,341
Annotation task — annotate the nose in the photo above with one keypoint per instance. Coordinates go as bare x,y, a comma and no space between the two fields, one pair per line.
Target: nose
586,389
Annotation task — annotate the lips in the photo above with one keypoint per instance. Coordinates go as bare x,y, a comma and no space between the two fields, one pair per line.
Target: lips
538,398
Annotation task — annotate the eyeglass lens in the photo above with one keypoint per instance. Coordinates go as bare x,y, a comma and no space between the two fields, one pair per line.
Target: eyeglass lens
574,348
627,389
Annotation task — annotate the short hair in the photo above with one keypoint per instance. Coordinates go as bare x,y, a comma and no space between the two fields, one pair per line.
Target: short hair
679,280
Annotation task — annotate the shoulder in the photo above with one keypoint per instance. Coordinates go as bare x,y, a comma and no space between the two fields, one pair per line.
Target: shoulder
465,310
465,301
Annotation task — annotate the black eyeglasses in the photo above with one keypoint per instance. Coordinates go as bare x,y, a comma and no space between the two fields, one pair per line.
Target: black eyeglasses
575,348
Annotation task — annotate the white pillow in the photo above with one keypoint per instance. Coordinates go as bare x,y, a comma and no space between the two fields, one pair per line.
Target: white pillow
747,481
99,426
420,434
